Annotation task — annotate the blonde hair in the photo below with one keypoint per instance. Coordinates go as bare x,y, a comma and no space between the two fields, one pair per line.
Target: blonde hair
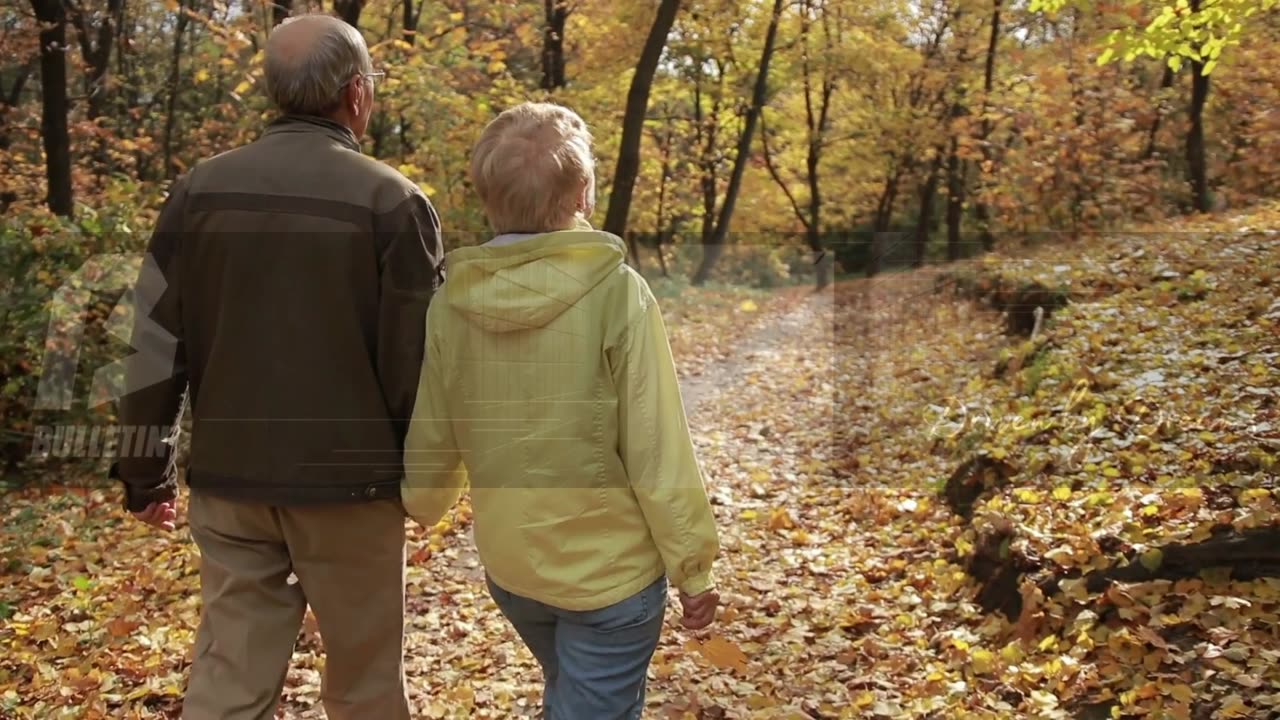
531,168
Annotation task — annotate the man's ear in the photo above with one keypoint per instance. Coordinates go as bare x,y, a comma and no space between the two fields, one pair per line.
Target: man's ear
353,97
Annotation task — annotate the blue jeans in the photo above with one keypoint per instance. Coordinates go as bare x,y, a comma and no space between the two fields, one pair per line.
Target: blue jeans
594,662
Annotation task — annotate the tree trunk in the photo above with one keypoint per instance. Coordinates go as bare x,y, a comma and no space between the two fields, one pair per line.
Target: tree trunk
633,251
956,171
706,132
711,252
661,223
379,128
409,25
53,123
557,16
874,252
924,225
824,262
817,120
95,48
980,210
663,238
409,33
883,220
1196,166
957,174
888,197
407,147
628,167
10,99
175,78
349,11
1166,82
96,43
810,216
280,10
983,215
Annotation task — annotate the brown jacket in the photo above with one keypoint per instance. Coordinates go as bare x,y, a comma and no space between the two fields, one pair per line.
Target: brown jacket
289,290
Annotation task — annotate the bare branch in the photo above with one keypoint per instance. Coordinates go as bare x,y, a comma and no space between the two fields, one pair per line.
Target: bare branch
777,177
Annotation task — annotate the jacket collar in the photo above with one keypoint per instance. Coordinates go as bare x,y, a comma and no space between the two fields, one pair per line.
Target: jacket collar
311,123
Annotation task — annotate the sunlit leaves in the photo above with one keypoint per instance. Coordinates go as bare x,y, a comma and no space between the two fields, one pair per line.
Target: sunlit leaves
1178,32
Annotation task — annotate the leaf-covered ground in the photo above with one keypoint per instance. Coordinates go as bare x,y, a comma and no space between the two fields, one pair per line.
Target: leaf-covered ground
1144,413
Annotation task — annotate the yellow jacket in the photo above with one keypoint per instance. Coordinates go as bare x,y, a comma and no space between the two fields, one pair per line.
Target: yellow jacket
548,386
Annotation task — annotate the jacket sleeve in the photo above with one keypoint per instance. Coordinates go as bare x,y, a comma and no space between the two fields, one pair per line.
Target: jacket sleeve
435,475
658,454
411,262
156,374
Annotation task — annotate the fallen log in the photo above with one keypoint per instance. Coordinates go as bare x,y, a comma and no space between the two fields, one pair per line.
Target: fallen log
1028,306
1248,555
975,476
1001,570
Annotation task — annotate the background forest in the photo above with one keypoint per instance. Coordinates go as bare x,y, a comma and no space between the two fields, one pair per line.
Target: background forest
1066,508
947,121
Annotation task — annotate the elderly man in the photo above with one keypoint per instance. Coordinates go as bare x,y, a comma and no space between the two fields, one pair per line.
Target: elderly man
291,282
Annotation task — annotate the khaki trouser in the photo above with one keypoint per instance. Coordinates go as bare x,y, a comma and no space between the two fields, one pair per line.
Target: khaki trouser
349,563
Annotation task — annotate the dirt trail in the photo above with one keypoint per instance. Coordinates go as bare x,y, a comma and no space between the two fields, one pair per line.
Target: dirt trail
776,331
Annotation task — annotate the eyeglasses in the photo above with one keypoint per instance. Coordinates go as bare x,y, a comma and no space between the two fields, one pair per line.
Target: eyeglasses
375,78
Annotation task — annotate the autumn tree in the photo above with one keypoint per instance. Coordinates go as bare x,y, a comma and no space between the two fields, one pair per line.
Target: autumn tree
349,11
628,166
707,68
969,24
893,120
986,124
52,16
280,10
182,21
411,16
1182,31
909,131
944,50
10,94
557,18
720,232
819,70
96,36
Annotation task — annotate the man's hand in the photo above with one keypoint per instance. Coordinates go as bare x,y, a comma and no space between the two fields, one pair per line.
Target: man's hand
161,515
699,610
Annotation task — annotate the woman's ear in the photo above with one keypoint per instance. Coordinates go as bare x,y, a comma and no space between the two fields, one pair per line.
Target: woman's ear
587,202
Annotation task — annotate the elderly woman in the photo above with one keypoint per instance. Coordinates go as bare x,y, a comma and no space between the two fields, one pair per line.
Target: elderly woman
549,387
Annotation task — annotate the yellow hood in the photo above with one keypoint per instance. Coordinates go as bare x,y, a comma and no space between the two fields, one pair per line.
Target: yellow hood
527,284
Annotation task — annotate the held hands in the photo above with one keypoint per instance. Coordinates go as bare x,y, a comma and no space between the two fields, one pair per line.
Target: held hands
700,609
160,515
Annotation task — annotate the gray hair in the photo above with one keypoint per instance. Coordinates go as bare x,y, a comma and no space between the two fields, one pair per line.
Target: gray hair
310,59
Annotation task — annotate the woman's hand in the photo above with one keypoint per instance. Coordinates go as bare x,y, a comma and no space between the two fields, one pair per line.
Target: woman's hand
699,610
